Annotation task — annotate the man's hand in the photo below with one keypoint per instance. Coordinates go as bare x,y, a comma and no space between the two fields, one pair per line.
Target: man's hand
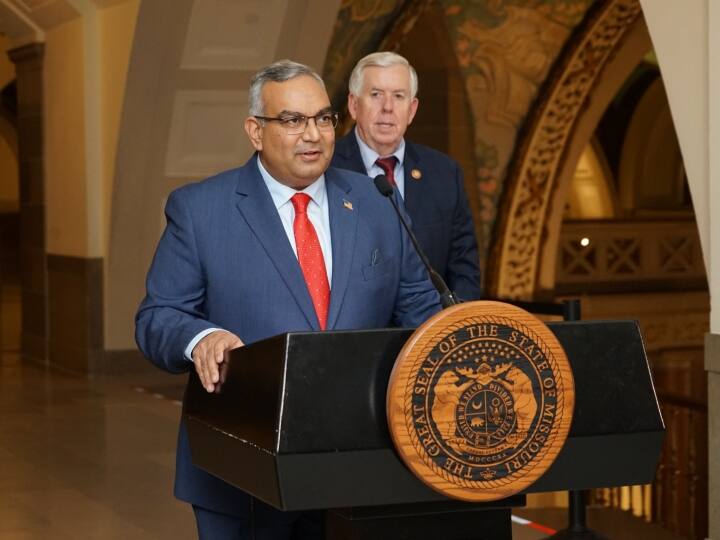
209,353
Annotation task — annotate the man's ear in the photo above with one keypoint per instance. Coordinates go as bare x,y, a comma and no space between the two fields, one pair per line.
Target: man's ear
352,106
254,132
413,109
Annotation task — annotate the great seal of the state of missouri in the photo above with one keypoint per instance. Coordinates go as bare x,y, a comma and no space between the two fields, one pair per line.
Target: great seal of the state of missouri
480,401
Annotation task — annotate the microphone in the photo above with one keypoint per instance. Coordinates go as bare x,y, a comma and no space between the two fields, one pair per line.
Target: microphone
447,297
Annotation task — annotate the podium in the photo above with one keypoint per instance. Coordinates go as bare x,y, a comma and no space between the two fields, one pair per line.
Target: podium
299,422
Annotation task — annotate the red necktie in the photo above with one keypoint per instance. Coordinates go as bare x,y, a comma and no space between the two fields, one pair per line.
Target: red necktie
310,257
387,164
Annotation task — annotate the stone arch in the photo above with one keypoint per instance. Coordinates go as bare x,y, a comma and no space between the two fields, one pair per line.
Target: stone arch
596,62
592,193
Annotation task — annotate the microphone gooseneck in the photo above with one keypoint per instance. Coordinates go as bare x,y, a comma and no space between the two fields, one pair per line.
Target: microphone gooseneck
447,297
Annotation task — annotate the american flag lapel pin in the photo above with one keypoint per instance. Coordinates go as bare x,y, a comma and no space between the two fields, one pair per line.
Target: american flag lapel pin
347,204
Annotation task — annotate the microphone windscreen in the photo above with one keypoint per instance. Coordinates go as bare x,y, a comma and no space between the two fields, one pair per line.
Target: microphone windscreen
383,185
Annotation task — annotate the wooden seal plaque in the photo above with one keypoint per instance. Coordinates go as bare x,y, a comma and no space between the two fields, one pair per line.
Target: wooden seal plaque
480,401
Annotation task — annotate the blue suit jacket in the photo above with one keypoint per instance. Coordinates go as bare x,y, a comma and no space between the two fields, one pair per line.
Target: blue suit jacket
224,261
438,207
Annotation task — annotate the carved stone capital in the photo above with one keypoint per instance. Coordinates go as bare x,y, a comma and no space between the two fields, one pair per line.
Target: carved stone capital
28,56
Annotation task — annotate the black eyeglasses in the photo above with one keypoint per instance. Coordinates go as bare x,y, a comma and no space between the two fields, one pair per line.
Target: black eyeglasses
294,125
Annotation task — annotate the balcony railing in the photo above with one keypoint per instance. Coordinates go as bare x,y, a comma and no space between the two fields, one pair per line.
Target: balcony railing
637,255
657,256
678,498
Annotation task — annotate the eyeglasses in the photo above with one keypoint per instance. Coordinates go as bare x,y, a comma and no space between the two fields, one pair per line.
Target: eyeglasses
294,125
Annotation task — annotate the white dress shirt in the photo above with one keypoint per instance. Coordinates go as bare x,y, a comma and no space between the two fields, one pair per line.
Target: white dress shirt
317,212
369,157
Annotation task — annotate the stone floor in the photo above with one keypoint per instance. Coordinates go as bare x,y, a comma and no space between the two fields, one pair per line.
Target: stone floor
88,459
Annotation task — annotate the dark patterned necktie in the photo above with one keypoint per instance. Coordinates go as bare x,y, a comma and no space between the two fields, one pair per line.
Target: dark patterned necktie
387,164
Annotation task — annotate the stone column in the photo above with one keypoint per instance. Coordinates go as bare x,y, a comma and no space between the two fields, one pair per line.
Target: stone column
712,365
28,61
712,261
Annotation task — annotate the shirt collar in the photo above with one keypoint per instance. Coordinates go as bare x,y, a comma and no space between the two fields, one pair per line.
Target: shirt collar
369,156
281,194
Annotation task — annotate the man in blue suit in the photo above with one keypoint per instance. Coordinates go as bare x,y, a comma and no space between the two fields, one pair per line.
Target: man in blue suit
283,243
383,102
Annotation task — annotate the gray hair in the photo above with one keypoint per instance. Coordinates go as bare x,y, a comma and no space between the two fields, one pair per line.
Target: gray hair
381,59
280,71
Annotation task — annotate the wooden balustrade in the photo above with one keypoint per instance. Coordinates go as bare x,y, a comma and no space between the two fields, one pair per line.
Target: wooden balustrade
664,258
678,498
634,255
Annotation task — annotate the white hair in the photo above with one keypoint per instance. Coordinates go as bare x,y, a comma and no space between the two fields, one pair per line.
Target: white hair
381,59
280,71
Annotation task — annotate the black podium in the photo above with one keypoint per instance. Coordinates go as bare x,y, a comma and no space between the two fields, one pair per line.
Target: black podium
299,422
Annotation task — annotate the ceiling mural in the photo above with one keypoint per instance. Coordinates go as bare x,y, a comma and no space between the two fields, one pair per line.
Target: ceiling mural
505,49
359,29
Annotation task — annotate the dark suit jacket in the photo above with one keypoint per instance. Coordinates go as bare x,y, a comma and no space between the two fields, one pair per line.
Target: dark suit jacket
438,207
225,261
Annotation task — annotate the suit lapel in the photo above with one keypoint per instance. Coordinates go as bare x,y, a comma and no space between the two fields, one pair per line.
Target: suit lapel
343,213
413,198
349,152
257,208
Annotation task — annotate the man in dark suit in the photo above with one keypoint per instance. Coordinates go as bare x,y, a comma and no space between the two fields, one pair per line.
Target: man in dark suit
283,243
383,102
